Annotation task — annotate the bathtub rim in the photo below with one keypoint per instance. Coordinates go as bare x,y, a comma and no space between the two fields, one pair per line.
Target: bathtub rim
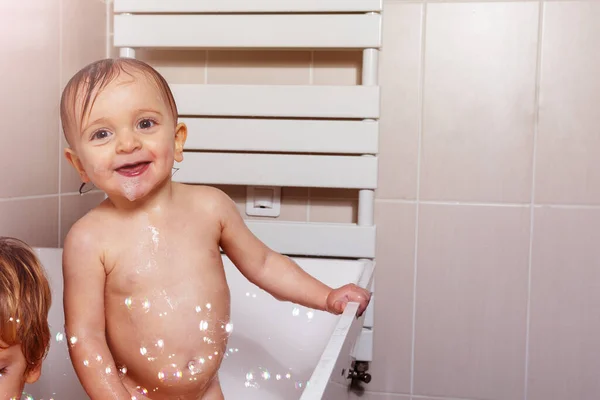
331,358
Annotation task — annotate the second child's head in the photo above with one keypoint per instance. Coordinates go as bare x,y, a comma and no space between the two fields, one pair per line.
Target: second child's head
25,300
121,123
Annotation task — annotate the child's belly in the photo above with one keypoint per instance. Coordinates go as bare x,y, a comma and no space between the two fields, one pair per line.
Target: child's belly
171,339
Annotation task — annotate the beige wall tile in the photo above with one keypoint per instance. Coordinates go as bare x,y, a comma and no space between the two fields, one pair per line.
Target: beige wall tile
183,66
337,67
29,83
400,64
259,67
379,396
471,301
394,276
568,145
34,221
83,35
334,210
565,297
73,207
332,193
480,69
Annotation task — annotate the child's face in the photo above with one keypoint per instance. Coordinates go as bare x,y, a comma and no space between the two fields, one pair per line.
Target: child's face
12,372
129,142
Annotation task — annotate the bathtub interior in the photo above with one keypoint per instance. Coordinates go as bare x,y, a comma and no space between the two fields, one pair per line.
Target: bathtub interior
274,349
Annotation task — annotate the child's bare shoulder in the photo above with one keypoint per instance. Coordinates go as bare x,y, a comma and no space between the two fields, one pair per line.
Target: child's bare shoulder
86,232
208,199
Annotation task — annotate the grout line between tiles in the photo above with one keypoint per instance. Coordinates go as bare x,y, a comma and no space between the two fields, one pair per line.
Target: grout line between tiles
483,204
60,73
417,210
483,1
77,193
41,196
532,208
108,26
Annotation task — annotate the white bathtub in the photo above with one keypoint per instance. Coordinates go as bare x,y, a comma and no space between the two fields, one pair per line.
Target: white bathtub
274,350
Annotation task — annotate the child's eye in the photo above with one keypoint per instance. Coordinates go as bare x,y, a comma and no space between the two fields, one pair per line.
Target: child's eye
2,371
99,135
146,124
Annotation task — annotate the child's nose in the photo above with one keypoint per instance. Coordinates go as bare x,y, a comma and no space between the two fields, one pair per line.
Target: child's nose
128,142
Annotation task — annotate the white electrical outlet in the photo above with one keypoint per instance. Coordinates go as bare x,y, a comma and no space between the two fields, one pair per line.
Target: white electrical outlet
263,201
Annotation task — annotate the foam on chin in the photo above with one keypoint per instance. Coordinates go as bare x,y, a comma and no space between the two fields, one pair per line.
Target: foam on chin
131,189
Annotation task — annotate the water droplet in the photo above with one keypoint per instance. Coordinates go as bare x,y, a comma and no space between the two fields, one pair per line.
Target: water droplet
73,340
198,309
128,302
108,370
86,363
278,377
208,306
143,351
229,327
203,325
265,375
60,337
310,314
99,358
160,343
296,311
146,305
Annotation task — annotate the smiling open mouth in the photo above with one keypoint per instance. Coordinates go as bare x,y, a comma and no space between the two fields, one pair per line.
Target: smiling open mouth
136,169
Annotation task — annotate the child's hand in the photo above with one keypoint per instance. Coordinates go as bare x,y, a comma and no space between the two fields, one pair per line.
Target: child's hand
338,298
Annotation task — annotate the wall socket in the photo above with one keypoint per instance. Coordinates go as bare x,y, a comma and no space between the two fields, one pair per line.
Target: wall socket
263,201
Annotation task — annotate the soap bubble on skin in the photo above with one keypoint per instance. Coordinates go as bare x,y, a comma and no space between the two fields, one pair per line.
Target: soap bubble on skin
203,325
170,374
146,305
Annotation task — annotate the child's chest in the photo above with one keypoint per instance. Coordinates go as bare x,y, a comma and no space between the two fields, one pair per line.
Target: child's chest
165,255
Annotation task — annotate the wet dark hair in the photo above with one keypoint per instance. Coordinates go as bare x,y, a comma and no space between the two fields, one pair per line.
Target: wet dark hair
86,84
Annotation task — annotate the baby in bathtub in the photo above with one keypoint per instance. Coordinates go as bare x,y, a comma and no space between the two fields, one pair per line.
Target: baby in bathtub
147,305
25,300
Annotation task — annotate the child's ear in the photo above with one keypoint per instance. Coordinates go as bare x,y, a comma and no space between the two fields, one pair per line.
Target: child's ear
34,373
180,137
76,163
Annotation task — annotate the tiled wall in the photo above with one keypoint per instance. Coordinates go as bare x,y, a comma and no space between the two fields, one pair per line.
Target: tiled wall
42,43
488,279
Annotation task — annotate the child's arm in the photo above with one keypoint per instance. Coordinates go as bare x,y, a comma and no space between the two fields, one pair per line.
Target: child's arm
278,274
84,278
